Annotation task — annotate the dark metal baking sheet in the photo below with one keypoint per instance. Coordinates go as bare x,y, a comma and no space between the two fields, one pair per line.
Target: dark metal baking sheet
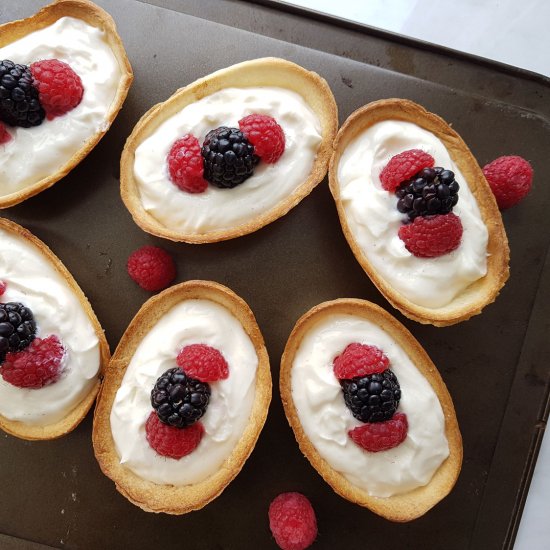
53,493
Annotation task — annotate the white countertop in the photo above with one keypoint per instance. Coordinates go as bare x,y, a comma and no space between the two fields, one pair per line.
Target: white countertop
501,30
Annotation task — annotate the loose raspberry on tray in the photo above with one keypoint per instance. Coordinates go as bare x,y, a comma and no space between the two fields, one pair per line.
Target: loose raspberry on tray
3,286
381,436
432,236
172,442
510,179
185,165
19,105
36,366
203,363
359,360
151,267
292,521
266,135
5,136
403,166
60,89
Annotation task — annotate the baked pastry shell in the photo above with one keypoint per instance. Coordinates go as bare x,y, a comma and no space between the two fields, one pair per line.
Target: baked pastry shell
96,17
171,499
77,414
399,508
269,71
480,293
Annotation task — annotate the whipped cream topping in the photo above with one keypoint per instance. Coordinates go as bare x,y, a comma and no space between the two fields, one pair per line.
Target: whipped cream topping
374,220
217,209
231,400
326,420
32,280
36,153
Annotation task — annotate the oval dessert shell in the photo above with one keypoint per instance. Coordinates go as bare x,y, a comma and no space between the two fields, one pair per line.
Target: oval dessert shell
480,293
77,414
268,71
402,507
96,17
172,499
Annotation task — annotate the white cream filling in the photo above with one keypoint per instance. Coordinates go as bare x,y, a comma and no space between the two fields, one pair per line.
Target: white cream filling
326,420
374,220
36,153
32,280
228,412
218,209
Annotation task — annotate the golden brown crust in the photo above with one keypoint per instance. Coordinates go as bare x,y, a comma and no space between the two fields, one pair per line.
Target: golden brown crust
97,17
413,504
269,71
481,292
77,414
168,498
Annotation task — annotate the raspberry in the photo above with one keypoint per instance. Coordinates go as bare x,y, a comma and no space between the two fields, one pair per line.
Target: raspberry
36,366
292,521
5,136
432,236
266,135
3,286
185,165
510,179
203,363
59,88
381,436
360,360
170,441
152,268
403,166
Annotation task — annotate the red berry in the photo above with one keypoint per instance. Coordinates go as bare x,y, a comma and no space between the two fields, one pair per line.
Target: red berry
185,165
360,360
266,135
381,436
5,136
59,88
170,441
510,179
292,521
36,366
203,363
3,286
432,236
403,166
152,268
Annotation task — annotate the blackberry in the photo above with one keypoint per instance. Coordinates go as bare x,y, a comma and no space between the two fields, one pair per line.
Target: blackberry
17,327
19,104
431,191
229,157
372,398
178,399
